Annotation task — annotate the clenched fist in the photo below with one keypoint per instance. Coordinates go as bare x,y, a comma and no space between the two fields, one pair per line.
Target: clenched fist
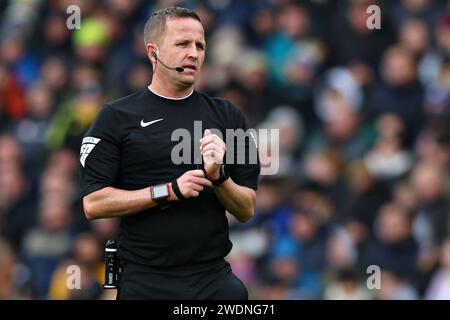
213,150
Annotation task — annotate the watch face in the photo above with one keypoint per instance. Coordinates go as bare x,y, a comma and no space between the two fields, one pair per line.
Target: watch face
160,191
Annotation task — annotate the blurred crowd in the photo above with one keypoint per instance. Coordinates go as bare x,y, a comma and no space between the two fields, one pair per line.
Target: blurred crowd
364,152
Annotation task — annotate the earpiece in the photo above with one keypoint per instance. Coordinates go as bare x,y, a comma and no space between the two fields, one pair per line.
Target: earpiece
178,69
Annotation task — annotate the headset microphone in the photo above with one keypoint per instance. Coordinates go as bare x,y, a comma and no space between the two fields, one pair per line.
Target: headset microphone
179,69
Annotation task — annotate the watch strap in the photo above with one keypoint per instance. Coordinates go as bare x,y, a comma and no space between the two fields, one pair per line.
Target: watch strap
222,178
177,191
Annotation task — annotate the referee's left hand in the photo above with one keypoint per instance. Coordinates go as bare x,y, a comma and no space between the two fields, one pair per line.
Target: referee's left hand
213,150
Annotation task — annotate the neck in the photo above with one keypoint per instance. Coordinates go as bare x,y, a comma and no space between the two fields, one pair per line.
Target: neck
168,90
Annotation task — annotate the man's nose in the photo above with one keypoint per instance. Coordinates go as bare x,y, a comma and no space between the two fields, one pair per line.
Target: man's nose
193,52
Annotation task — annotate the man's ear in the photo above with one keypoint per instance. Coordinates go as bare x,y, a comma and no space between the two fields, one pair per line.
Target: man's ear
151,47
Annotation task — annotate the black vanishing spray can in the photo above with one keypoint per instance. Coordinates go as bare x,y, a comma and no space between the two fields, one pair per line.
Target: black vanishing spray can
111,265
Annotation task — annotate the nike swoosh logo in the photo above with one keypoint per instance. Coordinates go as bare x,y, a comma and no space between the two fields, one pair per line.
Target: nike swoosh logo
146,124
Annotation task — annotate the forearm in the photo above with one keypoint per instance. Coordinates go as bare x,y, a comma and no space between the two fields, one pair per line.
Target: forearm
111,202
237,200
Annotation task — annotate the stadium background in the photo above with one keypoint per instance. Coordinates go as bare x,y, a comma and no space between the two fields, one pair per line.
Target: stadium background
364,153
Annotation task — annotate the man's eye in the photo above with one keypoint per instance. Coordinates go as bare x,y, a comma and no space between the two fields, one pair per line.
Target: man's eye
183,44
200,46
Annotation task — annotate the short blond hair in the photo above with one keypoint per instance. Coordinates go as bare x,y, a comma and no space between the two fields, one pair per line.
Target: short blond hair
156,25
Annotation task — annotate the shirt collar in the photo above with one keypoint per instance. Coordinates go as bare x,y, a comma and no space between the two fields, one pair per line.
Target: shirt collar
171,98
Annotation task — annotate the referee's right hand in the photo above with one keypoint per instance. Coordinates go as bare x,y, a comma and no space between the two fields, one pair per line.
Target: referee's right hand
191,183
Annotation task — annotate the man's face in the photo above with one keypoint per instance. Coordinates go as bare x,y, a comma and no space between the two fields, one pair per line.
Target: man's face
183,44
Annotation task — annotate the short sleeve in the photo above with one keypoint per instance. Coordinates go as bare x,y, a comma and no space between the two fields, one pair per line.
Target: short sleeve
100,153
243,164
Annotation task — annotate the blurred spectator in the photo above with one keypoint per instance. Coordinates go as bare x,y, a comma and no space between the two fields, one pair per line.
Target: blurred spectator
347,287
272,206
252,241
225,45
7,262
294,56
14,276
137,77
20,18
351,41
12,97
17,209
439,288
437,94
252,75
436,54
45,245
389,159
63,162
341,252
414,37
262,24
24,65
55,74
32,129
400,92
303,248
76,115
394,249
17,212
87,254
394,288
11,152
290,127
427,10
338,105
287,272
404,195
432,220
367,195
323,171
433,144
91,40
312,236
55,34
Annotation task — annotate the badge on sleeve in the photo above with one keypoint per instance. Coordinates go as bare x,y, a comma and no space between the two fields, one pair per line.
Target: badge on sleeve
87,146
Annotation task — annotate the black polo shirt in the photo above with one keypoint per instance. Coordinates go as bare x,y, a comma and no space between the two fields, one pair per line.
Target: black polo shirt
129,147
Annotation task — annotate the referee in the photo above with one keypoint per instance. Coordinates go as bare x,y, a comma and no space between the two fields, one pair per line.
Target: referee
174,230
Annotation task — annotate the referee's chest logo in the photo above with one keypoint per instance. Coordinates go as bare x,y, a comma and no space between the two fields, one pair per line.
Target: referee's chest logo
87,146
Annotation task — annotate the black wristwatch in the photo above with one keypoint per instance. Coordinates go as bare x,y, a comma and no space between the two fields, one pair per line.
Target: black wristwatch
222,178
160,194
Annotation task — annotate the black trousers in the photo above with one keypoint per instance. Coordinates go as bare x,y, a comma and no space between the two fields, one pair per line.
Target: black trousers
214,281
